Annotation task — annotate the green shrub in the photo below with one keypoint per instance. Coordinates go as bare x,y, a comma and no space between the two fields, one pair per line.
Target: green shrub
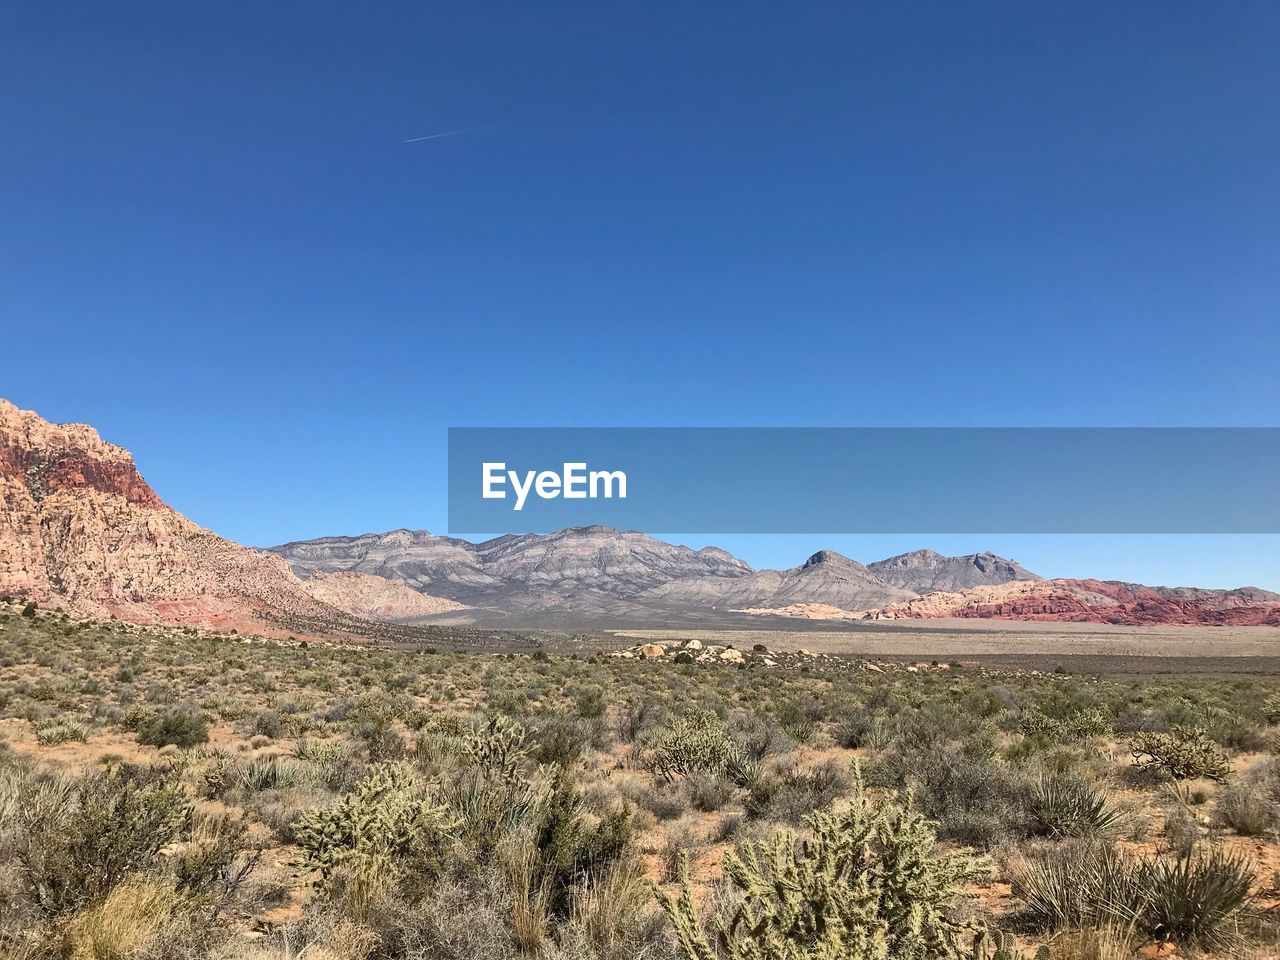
1249,809
571,850
590,701
76,844
562,740
794,793
182,728
976,800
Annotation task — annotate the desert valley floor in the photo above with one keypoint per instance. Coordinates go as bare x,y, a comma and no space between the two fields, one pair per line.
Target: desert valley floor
1072,791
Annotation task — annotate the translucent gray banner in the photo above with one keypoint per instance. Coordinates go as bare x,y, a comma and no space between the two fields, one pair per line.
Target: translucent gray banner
866,480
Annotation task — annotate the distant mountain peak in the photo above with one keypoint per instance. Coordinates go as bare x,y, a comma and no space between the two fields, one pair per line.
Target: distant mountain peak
926,571
827,557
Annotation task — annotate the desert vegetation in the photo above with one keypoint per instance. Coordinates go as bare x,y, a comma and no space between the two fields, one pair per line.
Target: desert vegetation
191,795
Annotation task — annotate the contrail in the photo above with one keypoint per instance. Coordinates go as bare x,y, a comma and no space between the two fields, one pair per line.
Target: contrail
437,136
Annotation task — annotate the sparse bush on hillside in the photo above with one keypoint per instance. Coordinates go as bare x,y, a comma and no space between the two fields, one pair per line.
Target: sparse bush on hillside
181,728
75,844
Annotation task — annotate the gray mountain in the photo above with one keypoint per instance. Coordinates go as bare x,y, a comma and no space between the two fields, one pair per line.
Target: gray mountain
826,577
583,572
606,577
924,571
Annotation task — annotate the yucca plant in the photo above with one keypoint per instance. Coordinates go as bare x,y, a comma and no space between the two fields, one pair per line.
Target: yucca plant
61,730
1080,885
1191,899
271,772
1069,806
1194,898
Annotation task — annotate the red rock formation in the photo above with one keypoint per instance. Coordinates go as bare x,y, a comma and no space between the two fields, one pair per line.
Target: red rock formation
1079,601
80,528
1096,601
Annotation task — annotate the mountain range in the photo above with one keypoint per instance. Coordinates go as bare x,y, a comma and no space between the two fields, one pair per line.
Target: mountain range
594,575
81,529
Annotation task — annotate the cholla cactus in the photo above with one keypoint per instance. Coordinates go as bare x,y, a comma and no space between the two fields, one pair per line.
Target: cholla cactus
868,884
387,819
1184,753
498,745
697,743
1271,708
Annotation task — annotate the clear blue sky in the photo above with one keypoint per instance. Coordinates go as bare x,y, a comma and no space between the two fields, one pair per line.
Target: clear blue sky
219,249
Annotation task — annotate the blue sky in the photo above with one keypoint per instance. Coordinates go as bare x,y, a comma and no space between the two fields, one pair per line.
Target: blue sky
219,249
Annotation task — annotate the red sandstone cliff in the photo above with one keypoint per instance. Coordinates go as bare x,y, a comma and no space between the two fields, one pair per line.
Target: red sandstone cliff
81,529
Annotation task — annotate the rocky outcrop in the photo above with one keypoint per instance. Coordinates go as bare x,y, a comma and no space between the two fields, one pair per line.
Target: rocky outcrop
81,529
1081,601
1095,601
375,598
924,571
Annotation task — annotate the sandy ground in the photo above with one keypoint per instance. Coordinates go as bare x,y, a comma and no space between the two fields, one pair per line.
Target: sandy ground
960,638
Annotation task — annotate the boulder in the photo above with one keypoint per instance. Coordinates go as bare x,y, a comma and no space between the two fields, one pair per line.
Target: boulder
651,651
732,656
693,645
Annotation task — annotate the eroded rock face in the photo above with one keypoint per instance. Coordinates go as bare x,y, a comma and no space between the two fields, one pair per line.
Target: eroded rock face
375,598
80,528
